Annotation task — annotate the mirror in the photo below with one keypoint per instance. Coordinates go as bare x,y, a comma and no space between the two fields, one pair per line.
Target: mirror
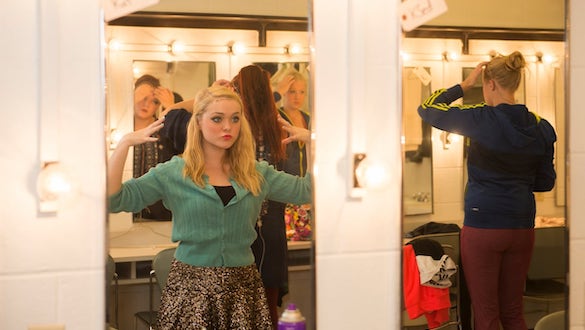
417,161
210,43
182,77
542,90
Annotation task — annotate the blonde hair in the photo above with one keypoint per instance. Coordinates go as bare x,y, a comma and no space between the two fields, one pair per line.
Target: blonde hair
506,70
296,75
240,157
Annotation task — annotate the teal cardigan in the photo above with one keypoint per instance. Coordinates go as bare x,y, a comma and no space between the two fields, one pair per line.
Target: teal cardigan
209,233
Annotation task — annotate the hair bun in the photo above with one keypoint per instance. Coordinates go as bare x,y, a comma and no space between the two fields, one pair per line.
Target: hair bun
515,61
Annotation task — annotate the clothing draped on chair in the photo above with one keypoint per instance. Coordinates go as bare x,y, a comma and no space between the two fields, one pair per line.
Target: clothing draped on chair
426,272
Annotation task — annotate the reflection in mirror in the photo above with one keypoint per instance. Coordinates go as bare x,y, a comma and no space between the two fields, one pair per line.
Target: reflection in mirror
144,50
182,77
278,70
475,96
159,84
417,166
542,90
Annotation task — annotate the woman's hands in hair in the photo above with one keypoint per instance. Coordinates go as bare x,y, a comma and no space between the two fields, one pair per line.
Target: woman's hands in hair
165,96
284,84
472,78
295,133
223,83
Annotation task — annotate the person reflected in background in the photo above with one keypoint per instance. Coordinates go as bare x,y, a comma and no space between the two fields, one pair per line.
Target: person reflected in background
149,96
270,248
216,190
510,157
297,217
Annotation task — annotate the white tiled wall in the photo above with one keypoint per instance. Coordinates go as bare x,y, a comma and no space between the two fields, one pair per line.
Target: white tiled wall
358,241
52,265
576,166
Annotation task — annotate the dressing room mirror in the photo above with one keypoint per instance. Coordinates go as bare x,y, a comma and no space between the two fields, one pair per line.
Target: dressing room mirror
447,61
417,161
187,46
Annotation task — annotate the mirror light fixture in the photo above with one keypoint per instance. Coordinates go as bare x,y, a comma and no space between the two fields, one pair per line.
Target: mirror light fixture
176,48
493,54
445,140
114,44
544,58
368,173
53,183
449,56
448,139
293,49
115,137
236,48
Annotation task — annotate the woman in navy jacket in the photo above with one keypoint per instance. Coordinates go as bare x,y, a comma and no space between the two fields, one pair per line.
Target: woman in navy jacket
510,156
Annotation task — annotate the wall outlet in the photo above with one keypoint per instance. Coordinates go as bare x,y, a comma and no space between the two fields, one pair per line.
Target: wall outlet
47,327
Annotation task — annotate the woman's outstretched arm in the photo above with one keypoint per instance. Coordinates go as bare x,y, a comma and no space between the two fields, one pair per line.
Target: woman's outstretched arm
118,157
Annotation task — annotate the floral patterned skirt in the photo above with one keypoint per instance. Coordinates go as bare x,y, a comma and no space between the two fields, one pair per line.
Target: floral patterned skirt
219,298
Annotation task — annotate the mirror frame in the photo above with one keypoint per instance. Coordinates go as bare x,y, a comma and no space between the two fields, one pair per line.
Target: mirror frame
262,24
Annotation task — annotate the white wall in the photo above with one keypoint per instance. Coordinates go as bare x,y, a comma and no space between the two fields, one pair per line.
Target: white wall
357,103
52,265
576,165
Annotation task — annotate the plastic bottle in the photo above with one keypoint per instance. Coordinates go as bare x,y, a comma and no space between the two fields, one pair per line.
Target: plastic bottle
291,319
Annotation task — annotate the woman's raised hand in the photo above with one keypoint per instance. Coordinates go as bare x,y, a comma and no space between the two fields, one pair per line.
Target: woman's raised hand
472,78
295,133
143,135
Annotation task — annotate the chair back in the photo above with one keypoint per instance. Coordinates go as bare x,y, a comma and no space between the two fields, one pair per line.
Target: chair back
446,239
450,244
554,321
111,276
110,270
161,264
549,255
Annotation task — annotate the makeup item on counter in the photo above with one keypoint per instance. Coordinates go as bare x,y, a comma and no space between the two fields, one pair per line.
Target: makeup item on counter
291,319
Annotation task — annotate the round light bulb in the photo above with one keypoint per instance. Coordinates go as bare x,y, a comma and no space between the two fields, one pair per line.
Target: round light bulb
238,48
372,174
53,182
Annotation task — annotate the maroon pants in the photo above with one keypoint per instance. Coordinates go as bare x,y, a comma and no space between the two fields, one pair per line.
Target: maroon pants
496,263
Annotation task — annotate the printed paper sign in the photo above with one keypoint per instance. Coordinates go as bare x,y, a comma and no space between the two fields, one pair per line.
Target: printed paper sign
423,75
414,13
118,8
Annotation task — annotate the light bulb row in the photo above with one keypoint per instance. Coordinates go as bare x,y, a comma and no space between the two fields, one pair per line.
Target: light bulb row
450,56
234,48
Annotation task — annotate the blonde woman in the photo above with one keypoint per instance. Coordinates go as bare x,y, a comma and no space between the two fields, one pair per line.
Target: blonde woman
510,156
215,191
297,217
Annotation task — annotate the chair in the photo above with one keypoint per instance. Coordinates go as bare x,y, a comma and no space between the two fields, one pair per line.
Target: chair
111,275
450,244
161,265
545,282
554,321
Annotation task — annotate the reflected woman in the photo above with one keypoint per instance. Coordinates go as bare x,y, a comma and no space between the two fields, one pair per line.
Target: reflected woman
215,190
149,95
297,217
510,157
252,84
